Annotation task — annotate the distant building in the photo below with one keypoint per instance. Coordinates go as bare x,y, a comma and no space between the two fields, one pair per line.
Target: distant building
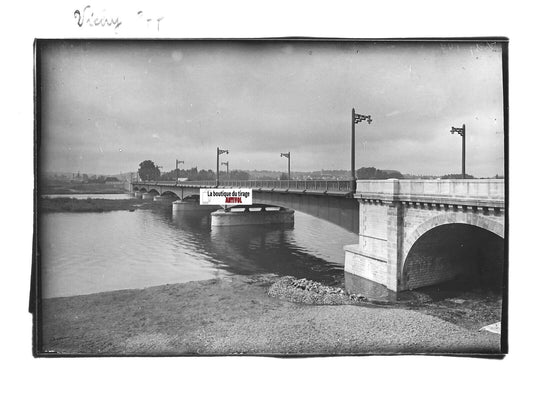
112,180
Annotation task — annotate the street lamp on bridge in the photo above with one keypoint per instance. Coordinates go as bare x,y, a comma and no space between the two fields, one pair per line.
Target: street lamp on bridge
461,131
356,118
227,167
288,155
177,169
219,152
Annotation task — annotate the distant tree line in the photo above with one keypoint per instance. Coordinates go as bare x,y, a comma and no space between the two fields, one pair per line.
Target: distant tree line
149,171
373,173
96,179
457,176
190,174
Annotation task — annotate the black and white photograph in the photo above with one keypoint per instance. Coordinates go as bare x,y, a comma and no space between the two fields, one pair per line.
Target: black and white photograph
288,197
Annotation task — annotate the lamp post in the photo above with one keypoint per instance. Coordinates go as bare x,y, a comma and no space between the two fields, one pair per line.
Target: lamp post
356,118
227,167
177,169
219,152
461,131
288,155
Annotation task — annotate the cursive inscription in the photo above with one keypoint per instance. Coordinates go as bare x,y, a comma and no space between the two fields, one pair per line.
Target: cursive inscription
149,20
88,17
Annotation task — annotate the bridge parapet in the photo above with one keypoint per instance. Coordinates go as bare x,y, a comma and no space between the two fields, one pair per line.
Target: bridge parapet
326,186
471,192
313,185
475,192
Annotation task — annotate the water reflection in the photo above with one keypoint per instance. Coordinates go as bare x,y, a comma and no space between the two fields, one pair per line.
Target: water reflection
254,249
93,252
261,249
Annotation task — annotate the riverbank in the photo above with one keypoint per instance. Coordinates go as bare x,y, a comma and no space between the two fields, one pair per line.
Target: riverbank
96,205
54,205
237,316
83,188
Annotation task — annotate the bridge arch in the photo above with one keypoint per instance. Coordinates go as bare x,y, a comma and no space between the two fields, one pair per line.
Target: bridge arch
192,197
153,191
135,188
143,190
170,194
452,245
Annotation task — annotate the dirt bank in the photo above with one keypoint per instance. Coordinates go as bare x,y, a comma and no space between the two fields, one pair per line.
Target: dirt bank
236,316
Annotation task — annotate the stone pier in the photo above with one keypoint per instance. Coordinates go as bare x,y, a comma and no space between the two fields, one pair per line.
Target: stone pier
252,215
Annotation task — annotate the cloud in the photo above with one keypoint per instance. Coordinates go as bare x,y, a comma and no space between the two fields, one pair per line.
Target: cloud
393,113
261,99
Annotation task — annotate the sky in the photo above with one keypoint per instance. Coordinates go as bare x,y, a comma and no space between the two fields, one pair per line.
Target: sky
106,106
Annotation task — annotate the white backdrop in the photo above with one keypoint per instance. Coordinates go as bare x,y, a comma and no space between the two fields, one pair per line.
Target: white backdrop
21,22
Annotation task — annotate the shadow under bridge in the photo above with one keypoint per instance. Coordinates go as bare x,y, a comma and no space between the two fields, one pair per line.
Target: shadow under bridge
340,210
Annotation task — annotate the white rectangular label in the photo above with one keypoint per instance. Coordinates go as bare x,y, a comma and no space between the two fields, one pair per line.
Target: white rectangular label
225,196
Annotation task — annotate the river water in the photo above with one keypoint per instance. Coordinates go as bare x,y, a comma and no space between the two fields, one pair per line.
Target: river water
86,253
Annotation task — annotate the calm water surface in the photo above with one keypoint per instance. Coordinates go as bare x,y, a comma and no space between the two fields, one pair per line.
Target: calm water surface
85,253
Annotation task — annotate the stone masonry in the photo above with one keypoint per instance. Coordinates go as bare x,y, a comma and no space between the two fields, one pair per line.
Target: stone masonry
394,214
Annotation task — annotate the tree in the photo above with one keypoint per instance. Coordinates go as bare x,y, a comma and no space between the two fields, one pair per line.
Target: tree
373,173
205,175
284,176
148,171
235,175
457,176
169,175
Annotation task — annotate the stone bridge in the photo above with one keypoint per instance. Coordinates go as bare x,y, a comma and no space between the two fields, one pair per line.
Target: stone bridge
415,233
411,233
328,200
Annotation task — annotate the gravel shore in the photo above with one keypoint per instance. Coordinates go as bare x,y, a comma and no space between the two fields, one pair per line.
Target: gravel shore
237,316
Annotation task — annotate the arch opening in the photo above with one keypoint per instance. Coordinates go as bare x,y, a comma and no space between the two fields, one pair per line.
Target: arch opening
135,188
143,190
170,195
153,192
192,198
462,255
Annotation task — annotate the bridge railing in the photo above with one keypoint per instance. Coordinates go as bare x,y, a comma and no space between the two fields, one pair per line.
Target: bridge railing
404,189
209,183
316,185
311,185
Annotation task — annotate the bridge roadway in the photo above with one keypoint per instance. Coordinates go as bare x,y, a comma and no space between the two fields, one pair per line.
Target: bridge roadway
401,224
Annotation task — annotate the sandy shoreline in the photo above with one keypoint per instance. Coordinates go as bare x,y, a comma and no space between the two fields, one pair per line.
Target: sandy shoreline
236,316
